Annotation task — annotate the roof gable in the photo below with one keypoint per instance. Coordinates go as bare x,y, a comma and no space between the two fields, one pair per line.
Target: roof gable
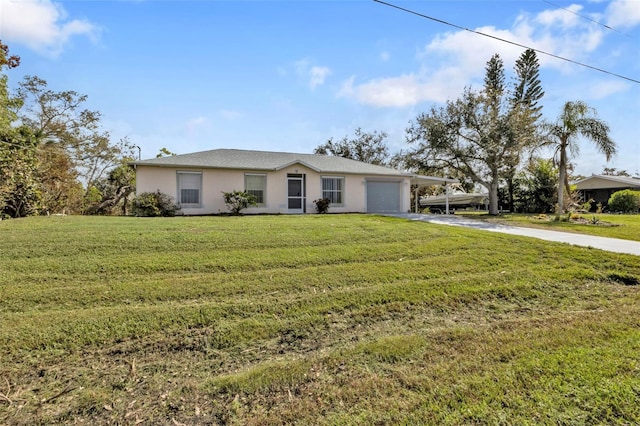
302,163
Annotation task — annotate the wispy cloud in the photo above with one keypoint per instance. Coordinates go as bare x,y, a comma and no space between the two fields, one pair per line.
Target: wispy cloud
560,17
403,91
623,13
607,88
318,75
314,75
42,25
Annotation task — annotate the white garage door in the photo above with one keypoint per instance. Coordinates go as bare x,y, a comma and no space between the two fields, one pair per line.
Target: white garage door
384,197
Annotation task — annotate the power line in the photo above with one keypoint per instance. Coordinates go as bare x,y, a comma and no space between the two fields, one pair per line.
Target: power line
506,41
586,17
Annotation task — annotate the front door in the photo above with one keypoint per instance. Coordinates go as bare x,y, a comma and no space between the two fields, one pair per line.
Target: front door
295,193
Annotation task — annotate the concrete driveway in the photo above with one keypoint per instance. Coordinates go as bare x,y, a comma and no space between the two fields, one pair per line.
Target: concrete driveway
609,244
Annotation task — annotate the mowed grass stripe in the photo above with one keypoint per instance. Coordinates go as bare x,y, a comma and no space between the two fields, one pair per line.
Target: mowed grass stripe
131,318
157,287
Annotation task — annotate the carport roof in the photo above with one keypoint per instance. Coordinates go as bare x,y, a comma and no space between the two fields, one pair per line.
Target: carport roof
421,180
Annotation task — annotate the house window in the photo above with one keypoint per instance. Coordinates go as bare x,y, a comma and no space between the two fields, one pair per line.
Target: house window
333,188
256,185
189,189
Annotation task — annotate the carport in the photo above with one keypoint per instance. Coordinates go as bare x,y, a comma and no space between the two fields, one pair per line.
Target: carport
419,181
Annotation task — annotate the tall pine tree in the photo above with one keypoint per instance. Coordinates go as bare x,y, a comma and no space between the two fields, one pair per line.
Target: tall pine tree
527,92
528,89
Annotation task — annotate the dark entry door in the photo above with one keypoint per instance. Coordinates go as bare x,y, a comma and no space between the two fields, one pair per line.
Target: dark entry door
295,193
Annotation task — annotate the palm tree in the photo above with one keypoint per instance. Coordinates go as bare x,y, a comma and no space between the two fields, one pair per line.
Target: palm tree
576,120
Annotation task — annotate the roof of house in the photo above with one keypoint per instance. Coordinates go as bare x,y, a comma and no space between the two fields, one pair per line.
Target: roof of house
273,161
607,181
268,161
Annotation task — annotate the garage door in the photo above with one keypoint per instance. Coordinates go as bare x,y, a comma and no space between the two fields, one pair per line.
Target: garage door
384,197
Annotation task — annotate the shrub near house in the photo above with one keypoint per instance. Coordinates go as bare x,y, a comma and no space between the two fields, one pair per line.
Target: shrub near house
237,201
154,204
625,201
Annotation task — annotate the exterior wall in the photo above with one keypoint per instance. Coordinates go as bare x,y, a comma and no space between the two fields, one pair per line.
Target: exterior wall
597,195
215,181
601,195
164,179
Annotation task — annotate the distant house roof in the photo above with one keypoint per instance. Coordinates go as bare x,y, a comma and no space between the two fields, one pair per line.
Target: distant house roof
273,161
607,181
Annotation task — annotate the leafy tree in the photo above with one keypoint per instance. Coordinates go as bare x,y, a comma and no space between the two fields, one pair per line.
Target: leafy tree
408,160
612,171
114,190
101,156
58,119
8,105
366,147
19,189
164,152
58,180
49,147
19,194
576,120
237,201
534,187
625,201
541,185
478,135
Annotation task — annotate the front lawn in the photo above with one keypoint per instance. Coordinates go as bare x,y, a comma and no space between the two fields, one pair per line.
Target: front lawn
317,319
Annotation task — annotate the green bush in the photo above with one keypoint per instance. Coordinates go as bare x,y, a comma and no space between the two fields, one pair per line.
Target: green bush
237,201
154,204
322,205
625,201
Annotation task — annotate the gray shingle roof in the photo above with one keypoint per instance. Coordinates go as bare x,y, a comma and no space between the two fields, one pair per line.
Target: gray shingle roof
268,161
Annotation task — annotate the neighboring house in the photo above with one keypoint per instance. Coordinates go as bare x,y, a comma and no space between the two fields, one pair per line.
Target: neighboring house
281,182
600,187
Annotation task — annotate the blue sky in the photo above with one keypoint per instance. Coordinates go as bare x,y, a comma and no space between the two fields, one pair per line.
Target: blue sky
288,75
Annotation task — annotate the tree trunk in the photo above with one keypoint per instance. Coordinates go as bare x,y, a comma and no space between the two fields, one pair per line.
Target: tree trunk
561,179
510,191
493,197
110,202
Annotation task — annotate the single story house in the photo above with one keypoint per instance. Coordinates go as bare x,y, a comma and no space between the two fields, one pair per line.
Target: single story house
281,182
600,187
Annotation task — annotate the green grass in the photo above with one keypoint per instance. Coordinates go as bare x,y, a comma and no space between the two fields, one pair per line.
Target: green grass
319,319
624,226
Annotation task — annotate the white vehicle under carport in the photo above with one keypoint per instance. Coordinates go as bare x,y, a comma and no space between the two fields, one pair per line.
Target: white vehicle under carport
455,196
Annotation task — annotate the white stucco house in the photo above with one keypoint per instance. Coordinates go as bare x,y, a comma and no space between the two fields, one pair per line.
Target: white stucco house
281,182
